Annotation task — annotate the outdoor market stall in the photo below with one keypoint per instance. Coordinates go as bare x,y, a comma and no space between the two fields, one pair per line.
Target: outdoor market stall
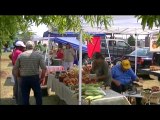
69,96
150,72
154,69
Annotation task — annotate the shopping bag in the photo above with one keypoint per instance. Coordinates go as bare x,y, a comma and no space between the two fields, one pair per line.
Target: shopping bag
12,79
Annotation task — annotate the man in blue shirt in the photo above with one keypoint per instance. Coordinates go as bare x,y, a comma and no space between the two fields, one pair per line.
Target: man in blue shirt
122,76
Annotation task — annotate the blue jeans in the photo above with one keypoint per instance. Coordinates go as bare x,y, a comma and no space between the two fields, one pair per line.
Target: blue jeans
17,91
28,83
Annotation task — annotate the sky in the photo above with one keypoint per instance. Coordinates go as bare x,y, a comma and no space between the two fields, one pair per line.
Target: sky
39,30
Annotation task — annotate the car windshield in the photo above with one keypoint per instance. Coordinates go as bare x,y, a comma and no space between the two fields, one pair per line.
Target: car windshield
141,52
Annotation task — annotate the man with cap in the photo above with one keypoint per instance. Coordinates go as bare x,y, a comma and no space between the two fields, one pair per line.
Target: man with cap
19,48
29,63
122,76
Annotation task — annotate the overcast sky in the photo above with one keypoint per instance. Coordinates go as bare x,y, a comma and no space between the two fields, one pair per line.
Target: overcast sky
39,30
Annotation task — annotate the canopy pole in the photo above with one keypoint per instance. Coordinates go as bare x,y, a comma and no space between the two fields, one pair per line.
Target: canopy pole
136,35
109,55
48,48
80,68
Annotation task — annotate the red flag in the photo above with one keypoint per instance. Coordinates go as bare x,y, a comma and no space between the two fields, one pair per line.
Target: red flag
94,46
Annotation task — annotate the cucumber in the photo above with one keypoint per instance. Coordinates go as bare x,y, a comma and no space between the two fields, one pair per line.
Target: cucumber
97,97
89,93
94,97
89,97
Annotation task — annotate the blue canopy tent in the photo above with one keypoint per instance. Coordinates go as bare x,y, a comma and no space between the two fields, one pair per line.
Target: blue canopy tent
72,40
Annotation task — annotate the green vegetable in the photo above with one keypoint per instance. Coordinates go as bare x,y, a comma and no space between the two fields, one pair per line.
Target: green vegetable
97,97
94,97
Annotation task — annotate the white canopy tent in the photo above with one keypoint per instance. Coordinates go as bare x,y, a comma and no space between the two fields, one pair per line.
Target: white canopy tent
122,25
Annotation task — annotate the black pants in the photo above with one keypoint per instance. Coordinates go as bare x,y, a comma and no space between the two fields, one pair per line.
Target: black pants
28,83
123,88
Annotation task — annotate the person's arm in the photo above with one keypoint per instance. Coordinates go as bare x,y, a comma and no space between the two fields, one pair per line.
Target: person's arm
134,77
16,71
43,67
73,52
105,70
94,64
113,72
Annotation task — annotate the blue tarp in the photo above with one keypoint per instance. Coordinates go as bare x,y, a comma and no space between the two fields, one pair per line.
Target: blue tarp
66,34
72,40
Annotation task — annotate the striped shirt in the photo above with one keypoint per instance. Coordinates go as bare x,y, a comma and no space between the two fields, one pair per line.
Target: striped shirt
29,63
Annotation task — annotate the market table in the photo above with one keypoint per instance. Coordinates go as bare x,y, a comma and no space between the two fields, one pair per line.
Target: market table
51,69
148,71
137,95
66,94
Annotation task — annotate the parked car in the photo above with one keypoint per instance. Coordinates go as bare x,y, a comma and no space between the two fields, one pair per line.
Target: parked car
144,58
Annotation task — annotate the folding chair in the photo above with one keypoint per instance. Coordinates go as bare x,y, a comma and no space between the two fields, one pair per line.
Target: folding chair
153,98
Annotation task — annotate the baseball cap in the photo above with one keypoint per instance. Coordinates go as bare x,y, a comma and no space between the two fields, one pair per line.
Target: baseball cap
30,44
20,44
126,64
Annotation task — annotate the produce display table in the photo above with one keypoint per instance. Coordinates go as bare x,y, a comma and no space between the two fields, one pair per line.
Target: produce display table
148,71
51,69
66,94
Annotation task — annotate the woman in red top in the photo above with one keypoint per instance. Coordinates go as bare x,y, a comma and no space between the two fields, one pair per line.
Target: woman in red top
60,53
19,48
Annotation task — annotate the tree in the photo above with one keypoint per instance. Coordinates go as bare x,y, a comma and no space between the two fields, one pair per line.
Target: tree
10,25
25,36
150,21
131,41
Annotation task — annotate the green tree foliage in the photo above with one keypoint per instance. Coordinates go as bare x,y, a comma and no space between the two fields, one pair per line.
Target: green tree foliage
150,21
10,25
25,36
131,40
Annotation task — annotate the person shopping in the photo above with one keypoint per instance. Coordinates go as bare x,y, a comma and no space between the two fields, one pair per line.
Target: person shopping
69,55
19,49
60,52
29,63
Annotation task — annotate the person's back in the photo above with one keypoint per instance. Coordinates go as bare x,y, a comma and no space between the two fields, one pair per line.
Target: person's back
29,64
31,61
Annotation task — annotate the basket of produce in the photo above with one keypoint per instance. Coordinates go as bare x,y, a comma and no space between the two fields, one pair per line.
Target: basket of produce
62,76
155,89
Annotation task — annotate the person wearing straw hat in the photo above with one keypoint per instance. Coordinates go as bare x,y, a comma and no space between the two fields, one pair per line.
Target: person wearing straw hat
28,64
